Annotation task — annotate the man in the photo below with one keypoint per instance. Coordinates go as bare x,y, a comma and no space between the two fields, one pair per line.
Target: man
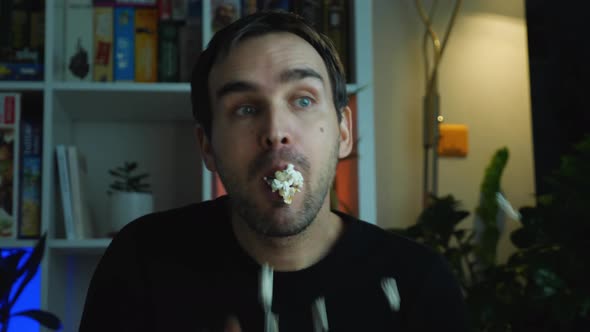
267,93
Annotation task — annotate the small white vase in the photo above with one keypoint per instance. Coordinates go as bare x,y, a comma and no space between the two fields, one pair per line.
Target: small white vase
128,206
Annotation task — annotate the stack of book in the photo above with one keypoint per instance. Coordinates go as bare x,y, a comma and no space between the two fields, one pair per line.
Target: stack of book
71,166
21,140
160,40
22,39
131,40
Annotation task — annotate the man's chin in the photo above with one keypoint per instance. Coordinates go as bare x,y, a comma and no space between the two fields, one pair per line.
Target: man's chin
278,220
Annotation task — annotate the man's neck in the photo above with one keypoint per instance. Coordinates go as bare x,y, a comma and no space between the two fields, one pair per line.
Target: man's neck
295,252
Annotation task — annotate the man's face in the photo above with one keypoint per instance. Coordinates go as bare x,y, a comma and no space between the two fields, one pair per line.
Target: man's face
272,106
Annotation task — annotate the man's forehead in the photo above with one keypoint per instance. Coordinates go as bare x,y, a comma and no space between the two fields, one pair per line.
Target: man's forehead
277,47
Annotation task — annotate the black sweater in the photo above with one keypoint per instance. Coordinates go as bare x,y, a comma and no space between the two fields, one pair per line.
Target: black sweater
182,270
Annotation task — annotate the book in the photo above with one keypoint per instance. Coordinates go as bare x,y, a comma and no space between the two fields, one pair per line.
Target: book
189,48
224,12
22,46
66,195
10,108
103,43
124,38
336,28
311,11
21,71
146,45
194,13
20,23
147,3
29,220
249,7
168,61
179,10
79,40
5,25
80,209
273,5
164,9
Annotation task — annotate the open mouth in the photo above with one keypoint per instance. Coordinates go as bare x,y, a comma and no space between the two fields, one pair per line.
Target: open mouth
287,183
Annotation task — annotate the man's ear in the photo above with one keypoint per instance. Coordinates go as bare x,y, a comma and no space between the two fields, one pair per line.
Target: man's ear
206,149
346,141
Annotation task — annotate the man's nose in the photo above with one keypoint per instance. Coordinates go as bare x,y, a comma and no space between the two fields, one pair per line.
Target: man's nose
277,130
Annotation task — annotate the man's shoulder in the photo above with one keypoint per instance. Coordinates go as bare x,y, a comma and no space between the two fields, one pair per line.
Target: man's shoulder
390,250
179,226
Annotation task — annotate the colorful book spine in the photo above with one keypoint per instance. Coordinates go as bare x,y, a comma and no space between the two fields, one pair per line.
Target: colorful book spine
10,108
168,62
103,43
21,39
124,35
79,40
29,223
146,45
165,9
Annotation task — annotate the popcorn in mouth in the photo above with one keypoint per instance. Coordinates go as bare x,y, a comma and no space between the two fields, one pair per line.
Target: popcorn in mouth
287,182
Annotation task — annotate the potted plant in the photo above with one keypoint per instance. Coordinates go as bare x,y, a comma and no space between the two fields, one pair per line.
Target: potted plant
131,196
543,286
16,272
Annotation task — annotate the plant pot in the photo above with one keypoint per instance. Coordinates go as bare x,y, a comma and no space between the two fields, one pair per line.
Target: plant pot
128,206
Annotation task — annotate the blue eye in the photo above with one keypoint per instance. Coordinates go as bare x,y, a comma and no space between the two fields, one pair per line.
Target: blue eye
303,102
246,110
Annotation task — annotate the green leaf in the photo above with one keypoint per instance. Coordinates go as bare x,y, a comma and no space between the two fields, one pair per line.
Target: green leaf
131,166
44,318
116,174
139,177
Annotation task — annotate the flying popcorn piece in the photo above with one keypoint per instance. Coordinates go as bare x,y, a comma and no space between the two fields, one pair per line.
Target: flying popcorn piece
287,182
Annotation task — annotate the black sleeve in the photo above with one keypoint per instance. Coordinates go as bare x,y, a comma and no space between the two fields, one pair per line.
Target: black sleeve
440,305
116,298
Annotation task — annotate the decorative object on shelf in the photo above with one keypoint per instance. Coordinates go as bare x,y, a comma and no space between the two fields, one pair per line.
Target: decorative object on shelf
130,195
432,116
16,272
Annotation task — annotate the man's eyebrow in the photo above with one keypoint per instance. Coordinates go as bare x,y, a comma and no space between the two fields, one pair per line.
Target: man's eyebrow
235,86
299,74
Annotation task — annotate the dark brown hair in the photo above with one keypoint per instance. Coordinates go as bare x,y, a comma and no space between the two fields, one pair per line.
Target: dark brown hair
254,25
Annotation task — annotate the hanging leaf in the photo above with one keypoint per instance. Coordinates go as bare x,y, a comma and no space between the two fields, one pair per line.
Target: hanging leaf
9,273
44,318
30,267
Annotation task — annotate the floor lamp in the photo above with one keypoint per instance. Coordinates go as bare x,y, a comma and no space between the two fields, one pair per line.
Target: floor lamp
431,100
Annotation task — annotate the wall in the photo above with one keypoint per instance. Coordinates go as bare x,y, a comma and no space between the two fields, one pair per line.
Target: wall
484,83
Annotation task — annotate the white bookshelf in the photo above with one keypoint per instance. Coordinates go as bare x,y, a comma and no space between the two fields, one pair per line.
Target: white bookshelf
153,125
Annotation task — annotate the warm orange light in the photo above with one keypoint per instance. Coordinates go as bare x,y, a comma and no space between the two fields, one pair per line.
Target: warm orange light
453,140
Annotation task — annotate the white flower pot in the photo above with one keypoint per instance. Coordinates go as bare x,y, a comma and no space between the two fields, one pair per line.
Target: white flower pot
128,206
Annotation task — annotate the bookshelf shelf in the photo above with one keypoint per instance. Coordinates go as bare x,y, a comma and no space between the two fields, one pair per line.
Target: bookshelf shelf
21,85
151,123
122,87
125,102
86,246
9,243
